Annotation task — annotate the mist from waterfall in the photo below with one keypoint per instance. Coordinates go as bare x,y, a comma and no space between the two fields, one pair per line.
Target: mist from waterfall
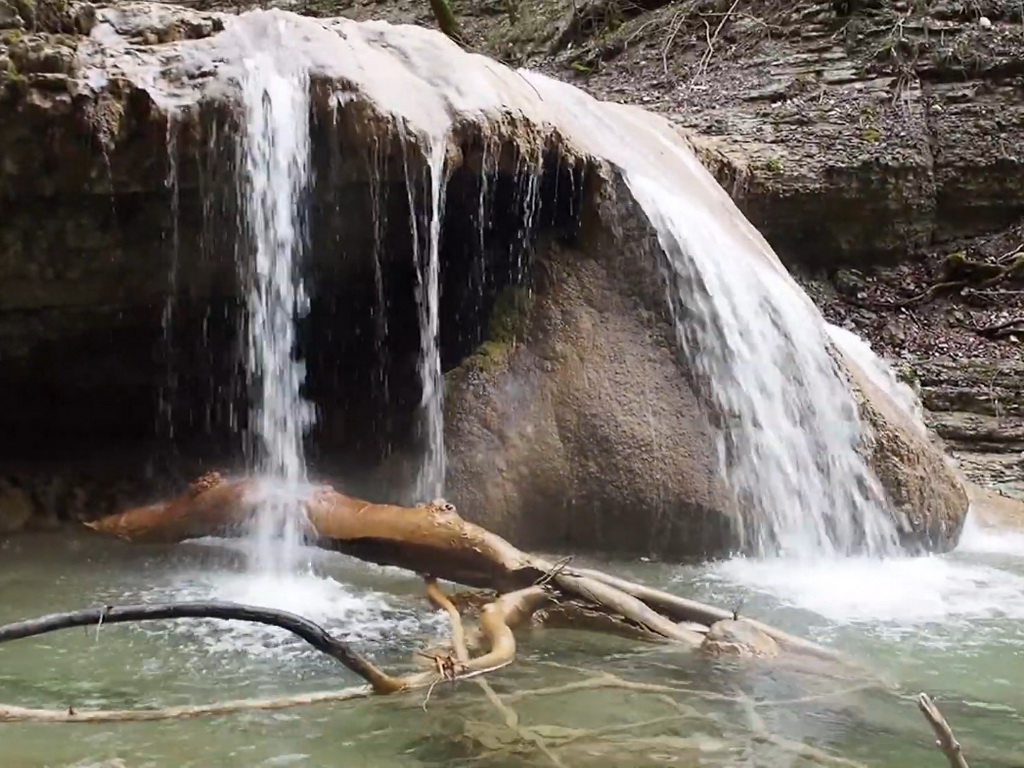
274,179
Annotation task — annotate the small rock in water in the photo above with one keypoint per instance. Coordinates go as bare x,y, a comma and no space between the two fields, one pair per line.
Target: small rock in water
740,639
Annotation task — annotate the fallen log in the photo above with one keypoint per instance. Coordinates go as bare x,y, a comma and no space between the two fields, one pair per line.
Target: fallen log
432,540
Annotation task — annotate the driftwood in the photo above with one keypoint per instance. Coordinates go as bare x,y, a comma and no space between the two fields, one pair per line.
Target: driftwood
944,738
430,540
496,635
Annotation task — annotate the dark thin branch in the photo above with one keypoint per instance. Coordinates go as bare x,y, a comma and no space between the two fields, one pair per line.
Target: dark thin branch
1003,328
312,633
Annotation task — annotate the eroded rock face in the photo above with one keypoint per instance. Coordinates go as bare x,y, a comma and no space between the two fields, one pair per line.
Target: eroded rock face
926,492
15,508
858,138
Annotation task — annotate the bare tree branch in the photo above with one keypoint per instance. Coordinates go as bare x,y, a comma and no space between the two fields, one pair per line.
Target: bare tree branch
945,740
312,633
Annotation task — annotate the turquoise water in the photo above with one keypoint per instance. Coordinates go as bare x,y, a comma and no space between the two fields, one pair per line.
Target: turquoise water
951,626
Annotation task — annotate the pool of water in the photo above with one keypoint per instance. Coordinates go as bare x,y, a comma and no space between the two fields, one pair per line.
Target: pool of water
950,625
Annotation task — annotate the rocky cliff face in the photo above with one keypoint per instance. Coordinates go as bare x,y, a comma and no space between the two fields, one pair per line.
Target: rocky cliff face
128,145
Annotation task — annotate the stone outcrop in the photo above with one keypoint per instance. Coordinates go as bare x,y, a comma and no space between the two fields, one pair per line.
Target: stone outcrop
738,639
977,407
923,486
849,133
582,427
578,429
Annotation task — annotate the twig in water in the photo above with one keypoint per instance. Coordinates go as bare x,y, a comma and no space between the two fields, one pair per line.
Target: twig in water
555,570
945,740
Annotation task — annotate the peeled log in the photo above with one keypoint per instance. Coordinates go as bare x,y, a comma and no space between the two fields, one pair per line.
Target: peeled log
210,507
432,540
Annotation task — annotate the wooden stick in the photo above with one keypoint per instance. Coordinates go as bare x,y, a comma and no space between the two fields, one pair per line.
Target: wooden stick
945,740
312,633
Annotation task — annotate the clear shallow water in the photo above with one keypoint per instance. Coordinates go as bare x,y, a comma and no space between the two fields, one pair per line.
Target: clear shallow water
948,625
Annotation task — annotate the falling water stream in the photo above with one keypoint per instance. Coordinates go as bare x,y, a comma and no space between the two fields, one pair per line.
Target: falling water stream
274,179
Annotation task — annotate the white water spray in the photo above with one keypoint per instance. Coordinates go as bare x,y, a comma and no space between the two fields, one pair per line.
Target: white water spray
881,375
274,180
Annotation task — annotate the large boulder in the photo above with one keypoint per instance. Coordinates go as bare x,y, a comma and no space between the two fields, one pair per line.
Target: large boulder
578,429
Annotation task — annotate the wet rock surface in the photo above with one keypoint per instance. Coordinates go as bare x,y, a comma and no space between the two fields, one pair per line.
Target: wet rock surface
581,431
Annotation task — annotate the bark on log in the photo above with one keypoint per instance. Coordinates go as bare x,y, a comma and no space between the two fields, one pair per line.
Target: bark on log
944,737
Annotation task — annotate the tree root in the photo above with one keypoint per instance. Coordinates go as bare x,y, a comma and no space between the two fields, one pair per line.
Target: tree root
1000,329
959,272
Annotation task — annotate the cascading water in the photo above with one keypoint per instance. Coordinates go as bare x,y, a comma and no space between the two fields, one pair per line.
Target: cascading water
430,480
880,373
168,387
790,432
273,182
789,442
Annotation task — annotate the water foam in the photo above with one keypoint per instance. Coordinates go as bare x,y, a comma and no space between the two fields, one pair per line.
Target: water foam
363,616
977,538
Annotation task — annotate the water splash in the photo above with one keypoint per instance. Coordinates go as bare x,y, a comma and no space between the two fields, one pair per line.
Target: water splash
880,374
274,181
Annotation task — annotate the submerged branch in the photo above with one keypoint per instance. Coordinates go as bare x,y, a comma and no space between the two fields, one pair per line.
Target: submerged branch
312,633
944,737
496,634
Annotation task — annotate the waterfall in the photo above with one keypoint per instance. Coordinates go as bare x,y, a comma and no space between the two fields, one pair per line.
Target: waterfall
273,181
758,349
791,432
430,480
169,385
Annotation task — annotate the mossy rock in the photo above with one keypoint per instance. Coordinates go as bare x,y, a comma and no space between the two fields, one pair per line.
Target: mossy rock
506,327
510,315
